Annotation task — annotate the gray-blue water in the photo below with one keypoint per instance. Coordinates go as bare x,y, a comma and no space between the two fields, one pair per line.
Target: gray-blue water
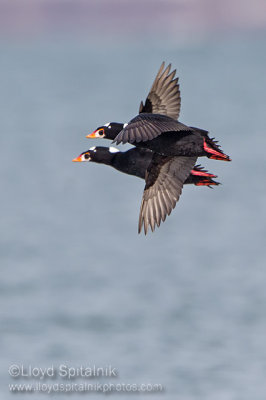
185,306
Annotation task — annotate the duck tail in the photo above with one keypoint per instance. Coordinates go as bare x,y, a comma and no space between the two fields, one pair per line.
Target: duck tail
201,181
201,177
213,150
198,170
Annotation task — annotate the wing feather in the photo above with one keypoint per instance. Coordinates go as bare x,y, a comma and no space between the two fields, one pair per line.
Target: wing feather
164,95
147,127
164,181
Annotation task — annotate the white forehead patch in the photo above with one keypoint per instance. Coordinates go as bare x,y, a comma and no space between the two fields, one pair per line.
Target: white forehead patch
113,150
125,125
107,124
93,148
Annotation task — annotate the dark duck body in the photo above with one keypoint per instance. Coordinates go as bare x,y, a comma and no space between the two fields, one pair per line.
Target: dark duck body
172,146
167,136
136,162
188,143
164,177
156,126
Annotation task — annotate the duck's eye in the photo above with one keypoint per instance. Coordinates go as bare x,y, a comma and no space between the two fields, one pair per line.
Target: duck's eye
101,132
86,156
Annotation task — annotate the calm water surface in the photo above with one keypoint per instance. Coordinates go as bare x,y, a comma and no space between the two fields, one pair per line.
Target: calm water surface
185,306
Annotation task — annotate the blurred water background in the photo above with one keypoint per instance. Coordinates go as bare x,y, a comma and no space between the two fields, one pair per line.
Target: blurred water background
184,306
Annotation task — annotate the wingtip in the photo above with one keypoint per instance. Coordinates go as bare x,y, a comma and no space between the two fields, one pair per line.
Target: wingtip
117,140
141,106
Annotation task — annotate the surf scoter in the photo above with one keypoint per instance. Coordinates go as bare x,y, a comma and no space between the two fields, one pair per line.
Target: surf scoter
164,177
156,126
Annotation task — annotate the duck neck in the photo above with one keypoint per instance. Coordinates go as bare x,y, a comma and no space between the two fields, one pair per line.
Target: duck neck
106,158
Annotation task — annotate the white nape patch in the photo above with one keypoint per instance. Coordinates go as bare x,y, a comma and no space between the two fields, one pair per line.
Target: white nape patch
125,125
93,148
113,150
107,124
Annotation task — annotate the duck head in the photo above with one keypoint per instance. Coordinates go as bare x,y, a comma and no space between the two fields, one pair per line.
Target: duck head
107,131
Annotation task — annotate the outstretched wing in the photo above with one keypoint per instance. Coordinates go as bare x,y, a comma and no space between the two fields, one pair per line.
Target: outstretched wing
147,127
164,96
164,181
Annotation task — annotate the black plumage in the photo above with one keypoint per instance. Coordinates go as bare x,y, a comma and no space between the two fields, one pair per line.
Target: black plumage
164,96
164,181
164,177
170,146
156,126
